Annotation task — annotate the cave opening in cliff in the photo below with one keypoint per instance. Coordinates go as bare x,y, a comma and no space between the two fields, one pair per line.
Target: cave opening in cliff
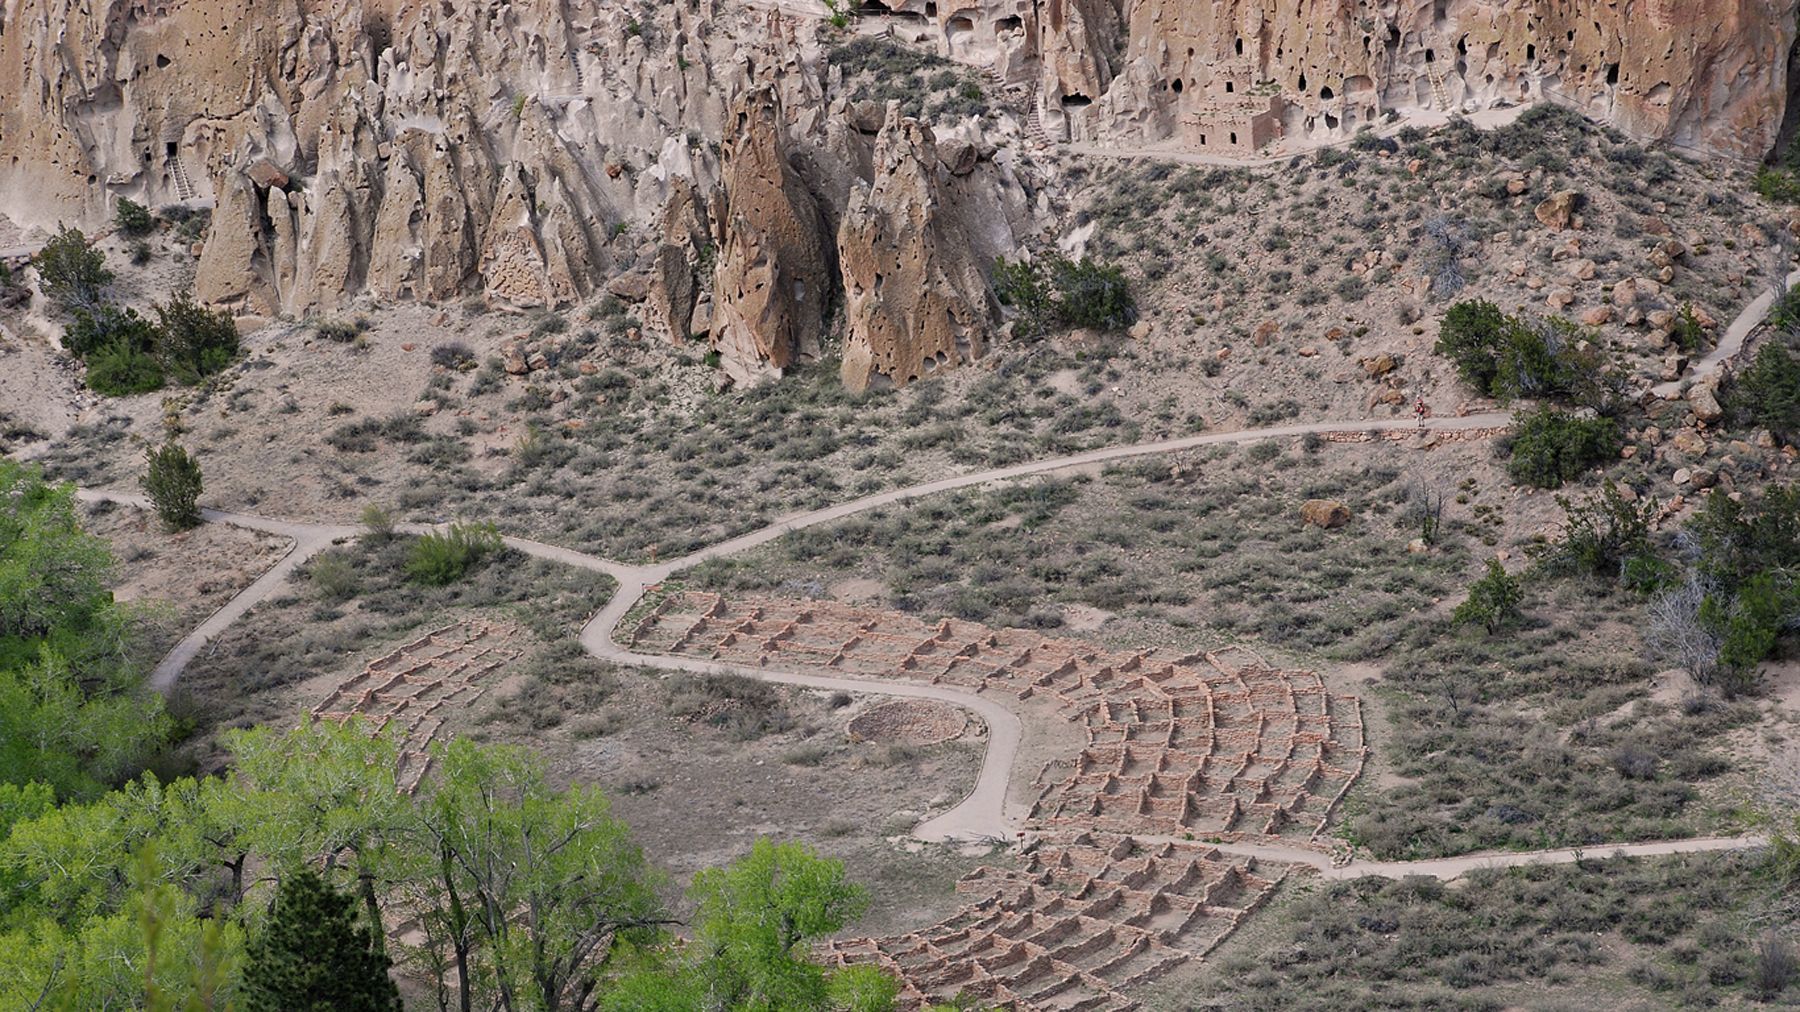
1530,52
1240,45
1176,85
1612,73
1230,87
1326,93
1076,101
1010,23
1430,56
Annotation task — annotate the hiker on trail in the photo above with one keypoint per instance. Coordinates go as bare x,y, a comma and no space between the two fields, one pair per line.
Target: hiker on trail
1421,411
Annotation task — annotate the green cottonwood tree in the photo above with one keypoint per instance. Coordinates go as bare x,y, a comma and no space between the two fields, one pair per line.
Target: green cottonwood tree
506,841
315,955
758,918
72,711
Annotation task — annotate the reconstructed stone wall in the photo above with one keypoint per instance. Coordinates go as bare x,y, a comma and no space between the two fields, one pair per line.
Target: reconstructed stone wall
1114,890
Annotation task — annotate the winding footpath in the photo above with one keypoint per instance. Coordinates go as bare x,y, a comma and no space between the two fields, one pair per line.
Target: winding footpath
984,815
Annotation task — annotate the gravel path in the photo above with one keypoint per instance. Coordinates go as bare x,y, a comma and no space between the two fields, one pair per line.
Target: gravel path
984,814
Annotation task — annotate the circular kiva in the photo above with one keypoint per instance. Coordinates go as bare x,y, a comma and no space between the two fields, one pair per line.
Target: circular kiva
908,722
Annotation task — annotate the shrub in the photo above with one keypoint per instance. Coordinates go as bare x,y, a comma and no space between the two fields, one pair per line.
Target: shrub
1689,335
1093,295
1634,763
1059,293
332,575
1741,538
1553,446
438,560
132,218
1749,623
1785,316
1775,962
173,484
121,369
96,328
1767,393
1508,357
1470,337
196,341
454,355
72,272
1493,601
1605,530
378,522
340,331
1777,185
1024,286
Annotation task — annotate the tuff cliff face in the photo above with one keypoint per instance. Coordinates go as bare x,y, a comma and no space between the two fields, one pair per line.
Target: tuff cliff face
915,299
773,272
701,157
409,149
1232,75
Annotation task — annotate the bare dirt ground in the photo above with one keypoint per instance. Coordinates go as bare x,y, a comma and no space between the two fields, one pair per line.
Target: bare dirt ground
1293,292
179,578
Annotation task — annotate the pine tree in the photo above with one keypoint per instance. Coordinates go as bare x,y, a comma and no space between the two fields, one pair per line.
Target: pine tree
315,956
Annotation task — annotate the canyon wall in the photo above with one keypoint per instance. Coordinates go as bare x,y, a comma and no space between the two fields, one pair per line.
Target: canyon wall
1232,75
410,149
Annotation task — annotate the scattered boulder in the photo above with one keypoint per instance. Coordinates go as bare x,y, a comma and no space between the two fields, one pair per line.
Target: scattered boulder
1557,212
1689,442
1328,514
1705,403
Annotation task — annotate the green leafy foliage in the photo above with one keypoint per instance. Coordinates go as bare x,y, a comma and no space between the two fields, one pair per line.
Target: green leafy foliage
73,716
758,917
194,342
315,955
132,218
1493,601
175,875
1509,357
128,354
1058,293
1605,530
1470,337
72,271
1767,393
1748,551
94,329
121,369
173,483
1551,447
438,560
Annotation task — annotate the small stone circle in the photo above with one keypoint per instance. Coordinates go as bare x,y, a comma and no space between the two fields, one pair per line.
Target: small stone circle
908,722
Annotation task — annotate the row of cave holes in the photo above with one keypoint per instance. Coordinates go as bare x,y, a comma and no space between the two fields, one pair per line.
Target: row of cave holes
875,8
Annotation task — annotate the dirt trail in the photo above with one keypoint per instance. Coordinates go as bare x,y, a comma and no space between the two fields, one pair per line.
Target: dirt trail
984,814
1729,345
